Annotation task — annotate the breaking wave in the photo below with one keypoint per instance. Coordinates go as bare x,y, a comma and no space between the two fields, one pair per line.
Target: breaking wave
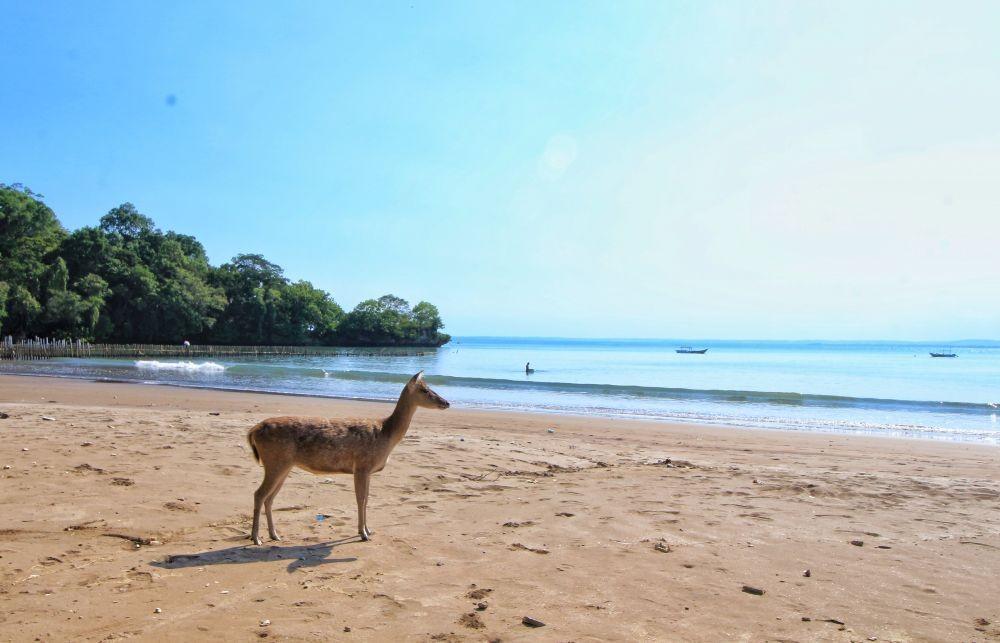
203,367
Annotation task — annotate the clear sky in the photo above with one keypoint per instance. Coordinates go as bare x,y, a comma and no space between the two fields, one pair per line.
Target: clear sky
662,169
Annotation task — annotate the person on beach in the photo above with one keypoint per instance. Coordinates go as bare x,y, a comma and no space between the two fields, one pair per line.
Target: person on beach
527,369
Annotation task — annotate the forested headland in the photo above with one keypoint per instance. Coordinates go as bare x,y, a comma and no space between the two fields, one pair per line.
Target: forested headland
126,281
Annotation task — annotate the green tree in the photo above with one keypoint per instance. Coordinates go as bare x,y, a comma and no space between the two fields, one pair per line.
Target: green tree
253,286
156,284
126,281
389,321
308,315
127,223
29,236
4,291
427,324
22,311
94,291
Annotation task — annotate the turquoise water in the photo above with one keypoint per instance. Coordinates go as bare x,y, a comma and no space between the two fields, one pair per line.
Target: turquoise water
872,387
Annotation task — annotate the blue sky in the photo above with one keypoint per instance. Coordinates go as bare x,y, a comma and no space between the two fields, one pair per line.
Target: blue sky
661,169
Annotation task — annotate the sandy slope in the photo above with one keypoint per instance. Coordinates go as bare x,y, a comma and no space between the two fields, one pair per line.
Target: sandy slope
488,508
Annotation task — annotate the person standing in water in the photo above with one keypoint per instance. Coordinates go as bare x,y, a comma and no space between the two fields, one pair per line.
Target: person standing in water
527,368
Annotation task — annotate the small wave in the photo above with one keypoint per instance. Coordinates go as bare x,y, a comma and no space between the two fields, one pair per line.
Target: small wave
272,371
157,365
633,392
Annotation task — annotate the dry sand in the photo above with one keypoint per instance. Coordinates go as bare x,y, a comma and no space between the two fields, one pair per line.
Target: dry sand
588,529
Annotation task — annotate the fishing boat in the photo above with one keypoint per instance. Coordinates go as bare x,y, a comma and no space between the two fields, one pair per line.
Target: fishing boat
943,355
687,350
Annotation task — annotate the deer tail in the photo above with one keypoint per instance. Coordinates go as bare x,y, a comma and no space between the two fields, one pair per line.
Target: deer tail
253,447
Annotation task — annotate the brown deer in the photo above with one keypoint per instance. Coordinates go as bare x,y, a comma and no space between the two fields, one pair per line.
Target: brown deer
322,445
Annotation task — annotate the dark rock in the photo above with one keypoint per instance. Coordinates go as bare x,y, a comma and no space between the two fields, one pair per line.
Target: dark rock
532,622
858,543
807,573
756,591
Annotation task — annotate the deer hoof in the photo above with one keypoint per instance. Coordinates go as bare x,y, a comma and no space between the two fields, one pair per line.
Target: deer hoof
364,537
257,540
275,537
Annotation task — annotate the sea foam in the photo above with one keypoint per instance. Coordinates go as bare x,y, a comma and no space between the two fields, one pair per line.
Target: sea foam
207,367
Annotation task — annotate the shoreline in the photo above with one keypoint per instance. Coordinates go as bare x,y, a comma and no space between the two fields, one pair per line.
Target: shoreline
733,426
125,499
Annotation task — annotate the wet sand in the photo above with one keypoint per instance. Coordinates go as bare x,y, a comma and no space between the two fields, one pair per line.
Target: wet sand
126,515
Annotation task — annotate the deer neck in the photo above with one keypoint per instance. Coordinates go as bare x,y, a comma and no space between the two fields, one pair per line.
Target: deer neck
394,427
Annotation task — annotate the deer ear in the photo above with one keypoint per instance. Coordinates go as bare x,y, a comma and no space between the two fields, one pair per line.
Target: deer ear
418,377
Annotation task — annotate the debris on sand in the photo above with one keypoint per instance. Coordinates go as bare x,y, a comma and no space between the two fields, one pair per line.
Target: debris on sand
90,524
48,418
3,416
512,523
756,591
565,514
138,540
675,464
662,547
478,594
532,622
536,550
122,482
807,573
858,543
472,620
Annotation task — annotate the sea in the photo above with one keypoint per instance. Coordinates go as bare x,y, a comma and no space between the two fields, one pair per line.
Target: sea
875,388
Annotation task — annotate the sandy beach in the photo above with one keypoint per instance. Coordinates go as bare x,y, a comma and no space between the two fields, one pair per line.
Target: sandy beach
126,510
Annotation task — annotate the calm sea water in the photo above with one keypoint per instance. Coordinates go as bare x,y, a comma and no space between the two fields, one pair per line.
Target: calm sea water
872,387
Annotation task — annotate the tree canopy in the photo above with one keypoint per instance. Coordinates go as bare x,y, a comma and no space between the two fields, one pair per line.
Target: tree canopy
125,280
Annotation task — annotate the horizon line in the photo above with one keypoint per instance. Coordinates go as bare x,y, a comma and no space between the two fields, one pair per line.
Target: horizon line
744,339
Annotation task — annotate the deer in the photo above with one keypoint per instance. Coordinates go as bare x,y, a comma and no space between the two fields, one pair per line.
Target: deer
330,446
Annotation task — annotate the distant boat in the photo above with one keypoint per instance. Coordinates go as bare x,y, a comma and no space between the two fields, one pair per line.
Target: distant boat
943,355
687,350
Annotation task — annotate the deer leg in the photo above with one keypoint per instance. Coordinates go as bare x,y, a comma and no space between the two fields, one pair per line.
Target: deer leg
368,489
272,479
361,479
280,480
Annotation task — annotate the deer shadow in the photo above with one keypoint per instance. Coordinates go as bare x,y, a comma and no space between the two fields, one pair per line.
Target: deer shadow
299,555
